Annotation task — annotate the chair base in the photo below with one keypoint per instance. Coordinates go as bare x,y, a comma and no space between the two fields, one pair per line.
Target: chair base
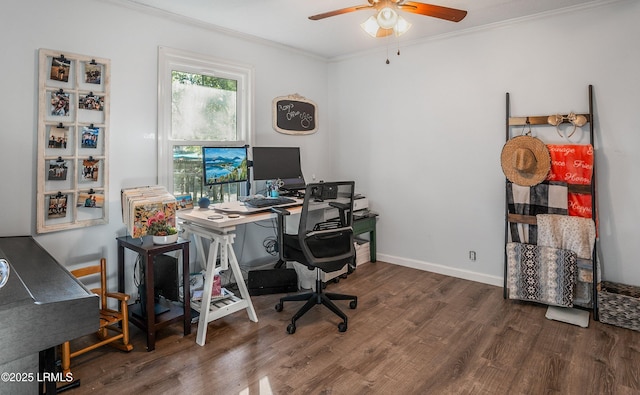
318,297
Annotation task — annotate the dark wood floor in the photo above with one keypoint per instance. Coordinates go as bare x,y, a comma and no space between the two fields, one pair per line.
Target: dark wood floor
413,332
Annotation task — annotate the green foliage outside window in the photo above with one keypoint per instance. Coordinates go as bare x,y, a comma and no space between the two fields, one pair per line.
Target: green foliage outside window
203,107
203,110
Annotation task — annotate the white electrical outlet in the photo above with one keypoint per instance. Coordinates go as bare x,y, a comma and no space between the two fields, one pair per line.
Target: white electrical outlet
472,255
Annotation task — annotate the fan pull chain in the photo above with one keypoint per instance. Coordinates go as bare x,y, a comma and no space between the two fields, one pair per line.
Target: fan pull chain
387,53
398,53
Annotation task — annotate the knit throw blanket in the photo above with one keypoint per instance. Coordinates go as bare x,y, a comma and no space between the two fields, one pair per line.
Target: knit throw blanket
541,274
548,197
578,235
571,233
573,164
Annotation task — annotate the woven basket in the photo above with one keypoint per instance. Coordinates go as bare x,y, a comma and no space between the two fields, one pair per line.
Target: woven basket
619,304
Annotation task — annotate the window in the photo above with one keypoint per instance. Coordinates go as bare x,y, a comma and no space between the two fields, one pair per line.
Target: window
202,101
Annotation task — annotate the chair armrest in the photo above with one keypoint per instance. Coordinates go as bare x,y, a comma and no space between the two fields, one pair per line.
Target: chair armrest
342,209
280,210
339,206
118,295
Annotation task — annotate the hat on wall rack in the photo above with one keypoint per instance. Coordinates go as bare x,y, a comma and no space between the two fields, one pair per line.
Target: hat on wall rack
525,160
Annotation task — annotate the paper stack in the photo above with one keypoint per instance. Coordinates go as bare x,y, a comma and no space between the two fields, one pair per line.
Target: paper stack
142,205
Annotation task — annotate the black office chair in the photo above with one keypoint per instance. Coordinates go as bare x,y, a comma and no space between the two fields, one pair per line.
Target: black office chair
323,246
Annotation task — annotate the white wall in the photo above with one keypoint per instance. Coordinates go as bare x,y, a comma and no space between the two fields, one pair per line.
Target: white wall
421,136
130,39
429,128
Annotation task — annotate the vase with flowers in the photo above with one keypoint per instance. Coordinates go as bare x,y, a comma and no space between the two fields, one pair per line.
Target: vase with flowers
161,230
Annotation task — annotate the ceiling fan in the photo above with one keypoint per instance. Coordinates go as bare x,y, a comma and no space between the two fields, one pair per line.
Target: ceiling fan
387,16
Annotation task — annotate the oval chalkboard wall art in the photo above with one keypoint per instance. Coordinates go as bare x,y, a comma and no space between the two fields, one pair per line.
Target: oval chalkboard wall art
294,114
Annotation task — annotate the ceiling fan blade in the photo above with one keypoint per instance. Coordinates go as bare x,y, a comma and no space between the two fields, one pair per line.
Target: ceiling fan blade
339,12
436,11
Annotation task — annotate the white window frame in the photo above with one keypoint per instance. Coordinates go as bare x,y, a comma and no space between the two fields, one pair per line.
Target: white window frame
170,59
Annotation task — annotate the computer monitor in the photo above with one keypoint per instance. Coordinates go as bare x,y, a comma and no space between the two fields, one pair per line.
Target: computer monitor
223,165
272,163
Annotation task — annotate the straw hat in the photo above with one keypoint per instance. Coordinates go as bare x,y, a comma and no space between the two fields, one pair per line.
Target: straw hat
525,160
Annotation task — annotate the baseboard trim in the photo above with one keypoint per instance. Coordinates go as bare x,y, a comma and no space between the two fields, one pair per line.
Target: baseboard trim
440,269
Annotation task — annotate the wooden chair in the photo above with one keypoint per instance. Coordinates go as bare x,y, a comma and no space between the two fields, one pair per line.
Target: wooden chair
109,319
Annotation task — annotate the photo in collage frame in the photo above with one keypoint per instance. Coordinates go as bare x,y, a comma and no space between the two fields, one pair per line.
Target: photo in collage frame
57,206
90,199
58,169
60,69
73,122
89,137
89,170
58,137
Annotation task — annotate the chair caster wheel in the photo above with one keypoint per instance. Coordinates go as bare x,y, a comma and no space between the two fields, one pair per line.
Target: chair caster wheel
279,307
342,327
353,304
291,329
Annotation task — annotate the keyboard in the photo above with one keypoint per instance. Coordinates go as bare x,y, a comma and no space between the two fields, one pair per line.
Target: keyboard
258,202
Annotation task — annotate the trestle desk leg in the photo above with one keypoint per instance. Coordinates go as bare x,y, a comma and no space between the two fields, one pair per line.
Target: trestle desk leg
237,274
206,292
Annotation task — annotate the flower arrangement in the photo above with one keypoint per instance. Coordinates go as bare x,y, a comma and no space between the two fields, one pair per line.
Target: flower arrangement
146,214
157,225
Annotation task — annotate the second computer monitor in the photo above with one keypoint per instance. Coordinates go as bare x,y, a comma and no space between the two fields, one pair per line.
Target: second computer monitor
272,163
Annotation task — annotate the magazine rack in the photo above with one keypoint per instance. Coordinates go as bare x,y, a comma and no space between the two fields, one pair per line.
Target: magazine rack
73,141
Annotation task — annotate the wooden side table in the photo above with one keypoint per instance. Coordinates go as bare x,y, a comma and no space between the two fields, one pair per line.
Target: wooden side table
367,224
148,251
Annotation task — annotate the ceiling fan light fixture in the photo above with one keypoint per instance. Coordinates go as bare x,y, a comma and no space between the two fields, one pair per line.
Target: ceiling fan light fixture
402,26
370,26
374,29
387,18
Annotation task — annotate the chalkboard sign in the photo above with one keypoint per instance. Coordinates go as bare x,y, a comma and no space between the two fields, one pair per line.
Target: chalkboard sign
294,115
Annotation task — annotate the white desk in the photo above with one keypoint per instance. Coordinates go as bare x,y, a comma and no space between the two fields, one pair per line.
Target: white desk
219,232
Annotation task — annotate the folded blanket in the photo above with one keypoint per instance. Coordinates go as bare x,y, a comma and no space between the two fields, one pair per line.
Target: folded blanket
585,270
580,205
578,235
570,233
541,274
545,198
573,164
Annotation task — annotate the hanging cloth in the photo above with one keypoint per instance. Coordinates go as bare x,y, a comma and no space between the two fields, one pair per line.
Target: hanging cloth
541,274
544,198
576,234
573,164
571,233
